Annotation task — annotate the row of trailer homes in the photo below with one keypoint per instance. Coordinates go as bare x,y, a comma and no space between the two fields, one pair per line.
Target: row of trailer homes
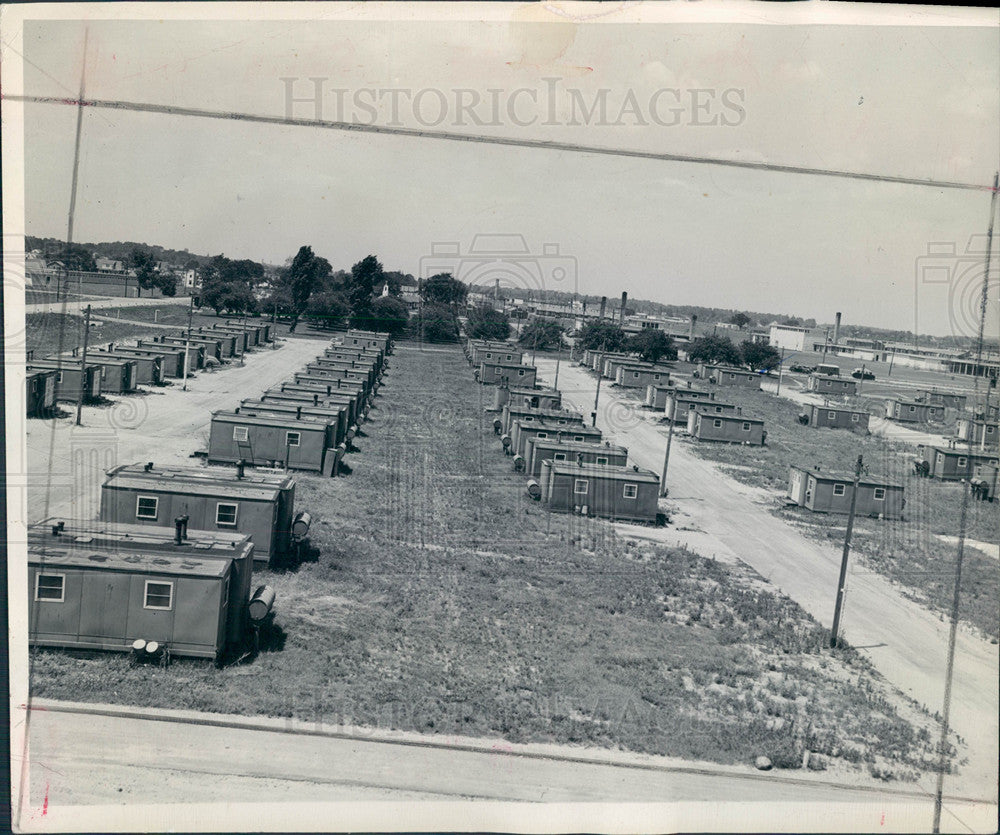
120,368
167,568
570,468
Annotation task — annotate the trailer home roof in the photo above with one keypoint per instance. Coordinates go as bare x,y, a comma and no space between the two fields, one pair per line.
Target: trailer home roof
224,482
263,420
51,556
602,471
80,533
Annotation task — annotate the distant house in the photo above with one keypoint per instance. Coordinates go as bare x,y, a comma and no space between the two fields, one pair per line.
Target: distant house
953,463
832,386
656,396
522,431
40,392
830,492
948,399
559,417
110,265
297,443
732,428
834,417
681,401
500,373
624,493
912,411
979,432
495,352
725,376
597,454
535,398
633,376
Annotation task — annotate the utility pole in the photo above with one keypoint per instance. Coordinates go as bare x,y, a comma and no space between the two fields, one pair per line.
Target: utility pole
862,380
666,455
600,373
963,517
839,607
274,328
781,364
243,350
826,344
555,385
187,344
892,357
83,369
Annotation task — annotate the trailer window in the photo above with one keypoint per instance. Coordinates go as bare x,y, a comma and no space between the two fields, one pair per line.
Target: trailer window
746,426
292,438
831,415
59,377
913,408
520,372
146,507
602,460
559,456
50,587
855,418
635,374
839,489
580,486
159,595
717,423
241,433
508,357
578,438
963,461
879,494
225,514
630,491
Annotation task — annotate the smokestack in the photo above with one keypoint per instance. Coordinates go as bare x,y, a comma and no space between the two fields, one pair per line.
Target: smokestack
694,318
836,329
621,315
496,290
604,304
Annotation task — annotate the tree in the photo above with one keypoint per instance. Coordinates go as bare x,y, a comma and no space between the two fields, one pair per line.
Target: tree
792,321
759,356
601,335
741,320
652,345
327,309
714,349
389,315
304,277
485,322
144,265
366,278
436,323
230,296
444,288
541,334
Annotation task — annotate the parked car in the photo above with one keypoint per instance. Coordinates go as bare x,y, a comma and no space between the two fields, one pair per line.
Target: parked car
862,374
801,369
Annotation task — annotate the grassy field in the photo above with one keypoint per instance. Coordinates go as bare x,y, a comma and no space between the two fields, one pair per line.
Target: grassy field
444,601
907,550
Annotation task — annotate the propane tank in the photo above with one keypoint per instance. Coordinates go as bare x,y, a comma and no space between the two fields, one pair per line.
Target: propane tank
519,463
497,426
505,440
300,526
534,490
352,432
261,603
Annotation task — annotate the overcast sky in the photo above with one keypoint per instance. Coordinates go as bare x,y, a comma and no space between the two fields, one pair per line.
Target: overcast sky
908,101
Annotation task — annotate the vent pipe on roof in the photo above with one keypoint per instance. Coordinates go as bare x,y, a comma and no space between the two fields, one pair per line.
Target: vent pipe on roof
315,400
298,413
148,467
55,530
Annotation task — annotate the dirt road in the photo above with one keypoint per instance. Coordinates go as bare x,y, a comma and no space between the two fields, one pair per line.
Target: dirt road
76,308
66,463
84,758
906,642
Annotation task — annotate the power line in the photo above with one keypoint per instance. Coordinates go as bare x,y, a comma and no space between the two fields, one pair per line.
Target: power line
538,144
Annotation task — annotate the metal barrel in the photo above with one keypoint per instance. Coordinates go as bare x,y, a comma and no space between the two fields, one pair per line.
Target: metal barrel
261,603
534,490
300,525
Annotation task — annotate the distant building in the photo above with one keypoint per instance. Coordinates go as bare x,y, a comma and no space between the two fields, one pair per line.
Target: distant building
794,338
